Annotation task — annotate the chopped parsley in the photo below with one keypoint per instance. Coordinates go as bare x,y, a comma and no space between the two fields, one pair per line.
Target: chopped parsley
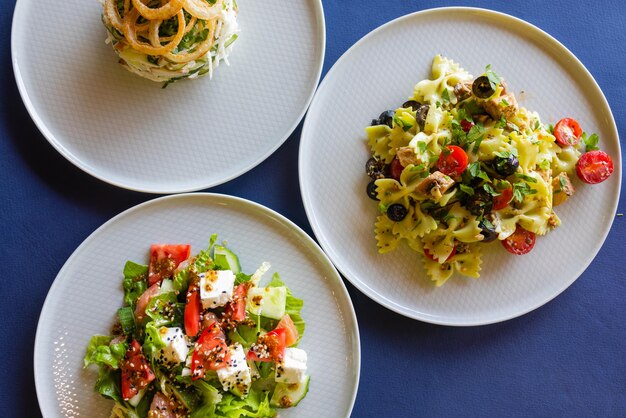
445,96
591,141
494,79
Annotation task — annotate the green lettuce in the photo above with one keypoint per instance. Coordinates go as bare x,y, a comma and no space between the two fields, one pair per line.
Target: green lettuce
165,310
135,282
101,352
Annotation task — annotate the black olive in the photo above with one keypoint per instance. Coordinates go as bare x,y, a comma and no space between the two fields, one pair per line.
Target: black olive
505,166
386,118
413,104
371,190
482,87
375,122
488,232
396,212
375,168
420,115
480,203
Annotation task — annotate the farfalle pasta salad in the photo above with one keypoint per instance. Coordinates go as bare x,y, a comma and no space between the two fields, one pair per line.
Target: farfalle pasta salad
461,164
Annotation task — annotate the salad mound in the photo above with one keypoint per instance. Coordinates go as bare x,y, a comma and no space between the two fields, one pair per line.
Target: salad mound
197,337
170,40
461,164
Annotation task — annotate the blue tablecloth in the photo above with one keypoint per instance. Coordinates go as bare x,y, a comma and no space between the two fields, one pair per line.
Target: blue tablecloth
567,358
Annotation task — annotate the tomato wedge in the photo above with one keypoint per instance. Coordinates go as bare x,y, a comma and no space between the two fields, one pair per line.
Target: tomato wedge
503,199
567,131
210,352
452,161
431,257
136,372
594,167
193,309
269,347
520,242
162,407
291,333
144,299
236,309
164,258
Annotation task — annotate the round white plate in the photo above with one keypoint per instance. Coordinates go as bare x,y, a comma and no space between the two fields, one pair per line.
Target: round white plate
86,294
194,134
379,73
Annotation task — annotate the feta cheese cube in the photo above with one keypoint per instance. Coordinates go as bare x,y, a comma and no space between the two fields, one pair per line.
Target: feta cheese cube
176,345
293,367
216,288
236,375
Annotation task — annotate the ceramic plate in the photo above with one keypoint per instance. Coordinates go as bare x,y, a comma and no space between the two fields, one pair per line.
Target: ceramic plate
192,135
86,294
366,81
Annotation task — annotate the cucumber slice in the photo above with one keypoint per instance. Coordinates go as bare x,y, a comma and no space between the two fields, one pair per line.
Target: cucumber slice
225,259
267,301
289,394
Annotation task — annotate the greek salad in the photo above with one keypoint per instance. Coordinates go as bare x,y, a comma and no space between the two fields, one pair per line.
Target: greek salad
197,337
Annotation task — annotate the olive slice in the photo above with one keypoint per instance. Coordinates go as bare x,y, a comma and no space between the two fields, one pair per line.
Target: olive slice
482,87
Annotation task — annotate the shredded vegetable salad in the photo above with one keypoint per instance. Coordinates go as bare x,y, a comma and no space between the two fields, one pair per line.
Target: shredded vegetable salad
197,337
462,164
170,40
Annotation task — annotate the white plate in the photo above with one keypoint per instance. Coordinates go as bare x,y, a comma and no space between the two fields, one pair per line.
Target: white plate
85,296
379,73
192,135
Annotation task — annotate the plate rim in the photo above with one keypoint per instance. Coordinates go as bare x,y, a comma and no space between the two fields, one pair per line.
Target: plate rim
201,184
40,387
306,193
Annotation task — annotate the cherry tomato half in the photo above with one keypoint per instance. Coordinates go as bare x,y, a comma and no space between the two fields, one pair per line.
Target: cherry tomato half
567,132
520,242
395,169
452,161
594,167
193,309
503,199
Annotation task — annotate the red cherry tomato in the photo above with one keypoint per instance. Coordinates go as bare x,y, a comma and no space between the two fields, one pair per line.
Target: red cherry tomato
291,335
520,242
236,308
269,347
567,132
452,161
211,352
430,256
136,372
395,169
466,125
193,309
594,167
503,199
164,258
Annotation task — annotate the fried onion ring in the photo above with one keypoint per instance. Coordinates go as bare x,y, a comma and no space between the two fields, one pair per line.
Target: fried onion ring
164,12
201,49
130,32
202,10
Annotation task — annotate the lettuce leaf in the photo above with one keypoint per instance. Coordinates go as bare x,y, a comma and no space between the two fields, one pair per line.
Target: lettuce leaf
164,310
153,342
101,352
293,306
256,404
135,282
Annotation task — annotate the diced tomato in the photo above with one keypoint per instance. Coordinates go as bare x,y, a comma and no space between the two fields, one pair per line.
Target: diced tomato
269,347
594,167
144,299
452,161
520,242
291,333
466,125
503,199
395,169
193,309
236,309
162,407
136,372
164,258
431,257
210,352
567,132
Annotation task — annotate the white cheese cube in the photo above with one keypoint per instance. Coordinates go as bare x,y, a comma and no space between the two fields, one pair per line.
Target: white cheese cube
293,367
236,375
176,345
216,288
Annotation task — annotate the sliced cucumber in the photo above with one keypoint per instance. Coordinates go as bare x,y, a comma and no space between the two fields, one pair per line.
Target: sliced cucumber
267,301
167,286
289,394
225,259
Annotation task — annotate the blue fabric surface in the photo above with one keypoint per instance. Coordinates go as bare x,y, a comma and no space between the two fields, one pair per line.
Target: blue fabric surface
567,358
